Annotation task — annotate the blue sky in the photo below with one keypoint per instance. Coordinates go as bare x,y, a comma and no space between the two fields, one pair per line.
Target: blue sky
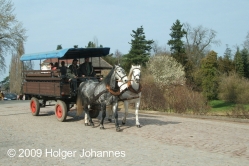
76,22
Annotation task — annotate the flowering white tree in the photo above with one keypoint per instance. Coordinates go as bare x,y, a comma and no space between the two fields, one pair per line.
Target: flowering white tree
166,70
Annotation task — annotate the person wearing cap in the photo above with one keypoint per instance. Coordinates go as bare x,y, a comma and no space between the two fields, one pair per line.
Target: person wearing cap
72,74
86,69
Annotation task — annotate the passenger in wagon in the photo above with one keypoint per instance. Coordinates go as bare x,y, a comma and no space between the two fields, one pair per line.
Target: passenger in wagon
63,69
56,65
72,74
86,70
51,65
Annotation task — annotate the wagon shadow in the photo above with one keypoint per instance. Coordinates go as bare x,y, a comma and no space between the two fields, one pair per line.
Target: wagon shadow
72,117
47,113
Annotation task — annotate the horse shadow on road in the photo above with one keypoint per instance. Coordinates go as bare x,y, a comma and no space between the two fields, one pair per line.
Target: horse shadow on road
145,120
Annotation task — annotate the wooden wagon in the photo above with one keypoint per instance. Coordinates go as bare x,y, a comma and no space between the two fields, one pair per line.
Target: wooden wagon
44,85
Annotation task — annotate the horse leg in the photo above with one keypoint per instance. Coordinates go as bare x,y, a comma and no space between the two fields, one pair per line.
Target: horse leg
137,103
126,105
115,111
103,109
86,117
109,112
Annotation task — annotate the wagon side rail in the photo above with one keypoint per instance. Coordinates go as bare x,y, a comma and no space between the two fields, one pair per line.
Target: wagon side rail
45,83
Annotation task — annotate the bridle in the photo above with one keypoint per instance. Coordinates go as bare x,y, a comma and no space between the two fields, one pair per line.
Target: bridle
121,77
136,74
109,89
129,86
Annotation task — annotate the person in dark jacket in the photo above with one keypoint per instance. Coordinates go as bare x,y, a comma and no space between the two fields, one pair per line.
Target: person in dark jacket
86,69
63,69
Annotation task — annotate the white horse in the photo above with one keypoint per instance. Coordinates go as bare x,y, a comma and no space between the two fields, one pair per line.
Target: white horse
130,93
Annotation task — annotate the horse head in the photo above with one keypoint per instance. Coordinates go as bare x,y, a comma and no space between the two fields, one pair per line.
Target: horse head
120,74
135,73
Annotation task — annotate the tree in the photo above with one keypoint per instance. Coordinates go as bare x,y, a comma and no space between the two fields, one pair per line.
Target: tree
59,47
11,31
244,55
176,44
91,45
140,49
118,56
5,83
198,42
246,42
166,70
210,76
16,68
225,63
239,65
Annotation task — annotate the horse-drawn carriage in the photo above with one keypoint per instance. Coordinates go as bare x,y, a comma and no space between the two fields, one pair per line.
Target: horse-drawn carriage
45,85
93,96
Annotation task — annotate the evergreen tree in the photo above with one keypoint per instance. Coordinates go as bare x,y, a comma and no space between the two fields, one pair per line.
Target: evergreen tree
140,49
244,55
176,44
239,65
225,63
210,76
5,83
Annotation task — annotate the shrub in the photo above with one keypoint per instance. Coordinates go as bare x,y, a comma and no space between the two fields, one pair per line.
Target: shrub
239,111
152,97
180,99
234,89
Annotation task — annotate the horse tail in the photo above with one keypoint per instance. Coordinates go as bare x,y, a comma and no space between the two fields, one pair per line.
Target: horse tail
79,102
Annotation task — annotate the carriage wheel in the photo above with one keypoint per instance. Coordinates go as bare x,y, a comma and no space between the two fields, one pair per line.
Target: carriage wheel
61,111
34,106
94,113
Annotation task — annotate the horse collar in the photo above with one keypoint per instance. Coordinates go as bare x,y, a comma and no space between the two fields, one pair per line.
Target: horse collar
130,88
113,92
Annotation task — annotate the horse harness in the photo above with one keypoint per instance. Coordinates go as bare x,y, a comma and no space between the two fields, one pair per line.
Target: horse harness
130,88
114,92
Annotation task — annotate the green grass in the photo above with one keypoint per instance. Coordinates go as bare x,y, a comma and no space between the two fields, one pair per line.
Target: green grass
222,106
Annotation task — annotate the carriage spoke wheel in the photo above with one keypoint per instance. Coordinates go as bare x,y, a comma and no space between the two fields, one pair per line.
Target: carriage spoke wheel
61,111
34,106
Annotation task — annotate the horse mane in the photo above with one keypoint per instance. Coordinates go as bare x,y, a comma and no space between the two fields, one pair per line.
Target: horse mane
109,80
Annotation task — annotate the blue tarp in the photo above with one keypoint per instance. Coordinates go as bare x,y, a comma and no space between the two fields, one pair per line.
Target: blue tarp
69,53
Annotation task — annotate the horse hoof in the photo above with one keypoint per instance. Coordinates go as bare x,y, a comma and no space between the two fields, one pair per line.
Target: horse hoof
138,126
118,129
110,120
92,124
86,124
102,128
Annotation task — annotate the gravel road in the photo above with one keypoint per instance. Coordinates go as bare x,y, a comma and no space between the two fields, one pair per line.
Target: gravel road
162,140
